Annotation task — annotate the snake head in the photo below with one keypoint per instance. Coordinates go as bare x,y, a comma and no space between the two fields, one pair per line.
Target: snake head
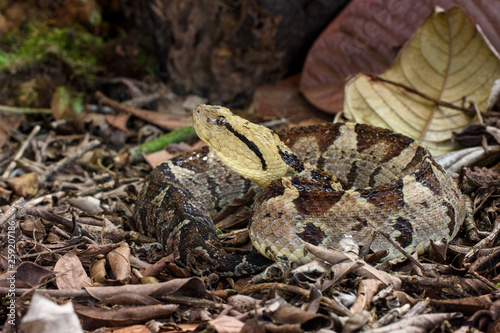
248,149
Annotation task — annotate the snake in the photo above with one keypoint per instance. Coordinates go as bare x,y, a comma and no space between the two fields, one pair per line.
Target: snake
316,184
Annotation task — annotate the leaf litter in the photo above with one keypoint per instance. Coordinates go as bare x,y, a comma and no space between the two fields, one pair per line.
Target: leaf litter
74,242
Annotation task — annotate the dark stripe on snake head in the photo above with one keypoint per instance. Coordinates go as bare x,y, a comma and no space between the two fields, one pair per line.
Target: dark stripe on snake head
252,146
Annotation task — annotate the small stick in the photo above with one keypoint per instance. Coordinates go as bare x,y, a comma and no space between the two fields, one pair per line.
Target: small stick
18,110
11,212
51,170
397,246
484,242
330,303
21,151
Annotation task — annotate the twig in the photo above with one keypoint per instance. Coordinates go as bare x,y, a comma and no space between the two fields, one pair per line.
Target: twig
398,247
416,92
484,242
50,292
39,212
18,110
41,253
50,217
21,151
11,211
330,303
51,170
170,124
50,196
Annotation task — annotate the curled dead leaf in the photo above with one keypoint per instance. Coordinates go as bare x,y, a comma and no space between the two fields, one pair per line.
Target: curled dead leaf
119,261
98,271
93,317
70,273
25,185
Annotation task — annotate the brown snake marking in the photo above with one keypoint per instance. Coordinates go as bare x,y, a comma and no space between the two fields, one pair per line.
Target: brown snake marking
390,184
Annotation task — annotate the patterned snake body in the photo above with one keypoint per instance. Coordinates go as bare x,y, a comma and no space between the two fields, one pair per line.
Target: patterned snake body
319,184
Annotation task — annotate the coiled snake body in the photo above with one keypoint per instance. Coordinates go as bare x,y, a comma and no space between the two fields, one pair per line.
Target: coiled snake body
318,183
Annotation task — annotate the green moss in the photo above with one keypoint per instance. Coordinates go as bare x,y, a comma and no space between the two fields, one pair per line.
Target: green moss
76,47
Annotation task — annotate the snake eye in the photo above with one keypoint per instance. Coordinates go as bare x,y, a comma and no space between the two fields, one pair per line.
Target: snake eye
220,121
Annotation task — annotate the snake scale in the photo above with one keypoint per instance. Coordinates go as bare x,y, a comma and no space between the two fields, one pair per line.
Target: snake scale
318,183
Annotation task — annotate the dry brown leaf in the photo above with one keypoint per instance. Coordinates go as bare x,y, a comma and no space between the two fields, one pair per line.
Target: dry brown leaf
70,273
283,313
226,324
282,100
5,194
467,305
164,120
158,157
461,70
334,256
130,299
192,286
366,37
119,121
367,289
420,323
98,271
93,250
3,136
33,274
119,261
93,317
34,229
25,185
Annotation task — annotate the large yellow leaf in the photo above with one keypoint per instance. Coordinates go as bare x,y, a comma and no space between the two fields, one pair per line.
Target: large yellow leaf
446,59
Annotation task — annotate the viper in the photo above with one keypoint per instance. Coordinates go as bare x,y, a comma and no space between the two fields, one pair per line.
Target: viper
317,184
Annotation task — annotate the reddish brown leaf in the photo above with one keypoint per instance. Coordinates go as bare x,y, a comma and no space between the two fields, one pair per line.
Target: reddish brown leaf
119,121
282,100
